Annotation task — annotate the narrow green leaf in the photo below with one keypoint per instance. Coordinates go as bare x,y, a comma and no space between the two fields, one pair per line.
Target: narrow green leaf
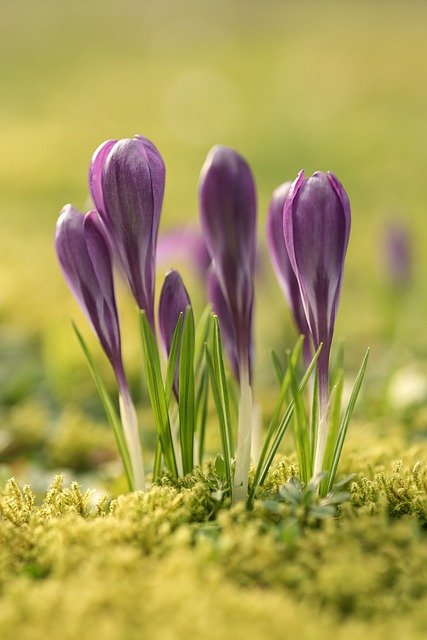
333,412
187,399
314,417
301,430
111,412
268,456
202,335
173,358
157,394
275,419
215,364
280,372
346,420
202,398
157,461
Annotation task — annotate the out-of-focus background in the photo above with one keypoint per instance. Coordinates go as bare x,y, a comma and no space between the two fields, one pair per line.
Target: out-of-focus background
327,85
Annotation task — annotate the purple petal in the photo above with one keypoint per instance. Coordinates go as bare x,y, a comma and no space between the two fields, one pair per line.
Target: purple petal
282,265
95,173
397,248
184,245
84,256
174,300
127,179
228,216
316,229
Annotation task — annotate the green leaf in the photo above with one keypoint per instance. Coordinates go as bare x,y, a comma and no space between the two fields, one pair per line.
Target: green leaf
202,335
333,413
346,420
157,394
301,430
280,372
215,362
111,412
187,400
202,398
173,358
276,436
157,461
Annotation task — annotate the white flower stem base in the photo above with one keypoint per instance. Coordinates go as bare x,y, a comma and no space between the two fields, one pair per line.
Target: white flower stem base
130,429
244,437
322,432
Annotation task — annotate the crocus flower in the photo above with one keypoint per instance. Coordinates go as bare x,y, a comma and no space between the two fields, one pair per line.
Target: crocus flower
174,300
282,265
228,216
316,225
84,255
397,254
186,245
127,180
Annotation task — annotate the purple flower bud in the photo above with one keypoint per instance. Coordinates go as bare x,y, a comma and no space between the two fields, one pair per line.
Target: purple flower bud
316,224
174,300
397,254
127,180
228,215
84,256
282,266
184,245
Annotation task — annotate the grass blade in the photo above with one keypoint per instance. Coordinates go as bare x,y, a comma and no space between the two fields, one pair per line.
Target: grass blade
187,400
157,394
202,398
280,372
301,429
173,358
267,457
111,412
333,415
218,379
346,419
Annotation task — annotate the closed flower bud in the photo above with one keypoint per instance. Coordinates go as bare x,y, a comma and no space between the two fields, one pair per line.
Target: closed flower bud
127,180
282,265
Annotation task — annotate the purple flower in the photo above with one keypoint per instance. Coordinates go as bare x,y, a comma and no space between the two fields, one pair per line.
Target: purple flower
282,266
84,256
184,244
174,300
397,254
228,216
127,180
316,224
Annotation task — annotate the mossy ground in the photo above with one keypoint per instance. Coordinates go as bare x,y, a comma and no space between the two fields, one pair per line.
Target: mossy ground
173,562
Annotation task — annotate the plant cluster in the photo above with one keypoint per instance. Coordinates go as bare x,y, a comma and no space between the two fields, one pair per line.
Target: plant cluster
308,231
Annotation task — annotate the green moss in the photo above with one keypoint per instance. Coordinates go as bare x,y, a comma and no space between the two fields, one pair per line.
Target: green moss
173,562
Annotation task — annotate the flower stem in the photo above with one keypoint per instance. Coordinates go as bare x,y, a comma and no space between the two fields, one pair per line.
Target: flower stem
130,429
323,424
244,436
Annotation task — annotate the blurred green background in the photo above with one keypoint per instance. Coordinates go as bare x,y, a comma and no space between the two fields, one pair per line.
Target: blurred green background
327,85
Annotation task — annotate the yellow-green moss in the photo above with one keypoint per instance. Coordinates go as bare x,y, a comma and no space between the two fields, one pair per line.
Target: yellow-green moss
173,563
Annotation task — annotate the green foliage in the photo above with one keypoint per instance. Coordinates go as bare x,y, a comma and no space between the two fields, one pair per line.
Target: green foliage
110,410
157,393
